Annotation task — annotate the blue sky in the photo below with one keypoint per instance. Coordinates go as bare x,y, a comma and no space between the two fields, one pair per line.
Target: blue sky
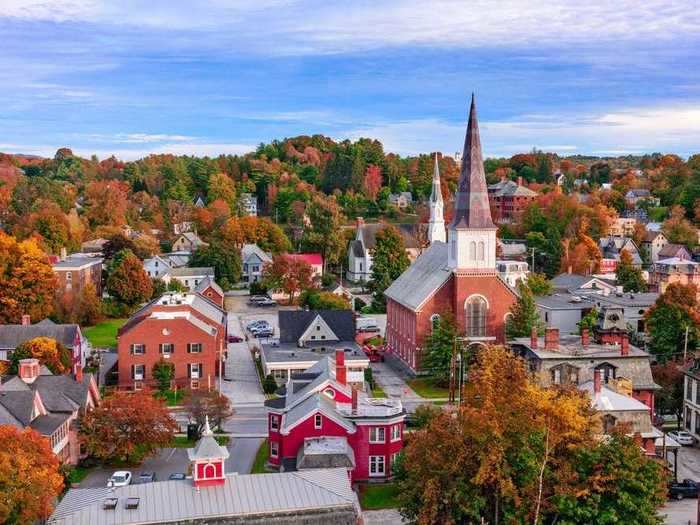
219,76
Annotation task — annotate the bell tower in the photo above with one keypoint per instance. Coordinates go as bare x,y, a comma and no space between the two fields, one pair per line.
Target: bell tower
472,233
436,226
208,460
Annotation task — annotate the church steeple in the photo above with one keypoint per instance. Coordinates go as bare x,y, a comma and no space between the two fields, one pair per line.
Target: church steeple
436,226
472,233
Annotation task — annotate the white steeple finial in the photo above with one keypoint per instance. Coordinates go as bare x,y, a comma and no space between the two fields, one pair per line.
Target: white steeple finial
436,226
207,430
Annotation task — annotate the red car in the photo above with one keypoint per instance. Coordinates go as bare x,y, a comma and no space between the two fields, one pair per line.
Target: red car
234,339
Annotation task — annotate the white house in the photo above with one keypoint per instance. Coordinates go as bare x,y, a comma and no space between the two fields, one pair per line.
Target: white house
189,277
253,258
401,200
188,242
512,271
249,204
156,266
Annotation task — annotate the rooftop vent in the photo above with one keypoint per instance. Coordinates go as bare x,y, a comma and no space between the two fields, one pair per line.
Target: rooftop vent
576,299
132,503
110,503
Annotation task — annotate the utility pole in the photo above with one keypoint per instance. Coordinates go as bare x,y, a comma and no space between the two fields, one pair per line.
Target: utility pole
533,259
453,365
685,346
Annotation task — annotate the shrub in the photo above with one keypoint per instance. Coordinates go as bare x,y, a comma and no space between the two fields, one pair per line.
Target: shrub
269,384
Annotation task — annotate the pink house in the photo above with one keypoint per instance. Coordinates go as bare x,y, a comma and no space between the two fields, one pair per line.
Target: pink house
315,260
320,422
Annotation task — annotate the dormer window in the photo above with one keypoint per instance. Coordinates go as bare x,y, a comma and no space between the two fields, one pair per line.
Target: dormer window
608,371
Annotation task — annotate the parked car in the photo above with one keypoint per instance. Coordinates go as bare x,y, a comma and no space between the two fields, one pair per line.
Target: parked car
266,302
682,437
177,476
684,489
234,339
120,478
147,477
366,324
260,323
254,299
263,333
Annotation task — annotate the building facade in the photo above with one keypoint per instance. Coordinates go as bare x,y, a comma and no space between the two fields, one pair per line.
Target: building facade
459,277
188,242
253,259
509,199
74,272
668,271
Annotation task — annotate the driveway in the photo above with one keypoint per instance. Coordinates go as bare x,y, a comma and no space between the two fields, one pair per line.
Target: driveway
392,382
242,385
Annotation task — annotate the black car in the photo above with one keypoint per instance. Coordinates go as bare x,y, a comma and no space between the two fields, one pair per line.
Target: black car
177,476
147,477
683,489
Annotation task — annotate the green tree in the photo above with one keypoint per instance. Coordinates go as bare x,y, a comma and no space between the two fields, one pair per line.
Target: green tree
224,257
269,384
163,372
589,321
674,311
325,233
539,284
319,300
628,276
389,261
439,345
524,314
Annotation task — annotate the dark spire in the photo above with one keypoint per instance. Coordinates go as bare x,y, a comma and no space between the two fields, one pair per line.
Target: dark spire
472,202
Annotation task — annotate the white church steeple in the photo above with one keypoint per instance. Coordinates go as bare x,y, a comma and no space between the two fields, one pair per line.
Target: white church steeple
436,226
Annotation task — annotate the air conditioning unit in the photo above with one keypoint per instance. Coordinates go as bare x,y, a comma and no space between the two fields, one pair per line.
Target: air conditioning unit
138,376
194,374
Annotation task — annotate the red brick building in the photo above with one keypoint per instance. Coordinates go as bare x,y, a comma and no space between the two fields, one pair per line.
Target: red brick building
74,272
320,421
509,199
187,330
458,277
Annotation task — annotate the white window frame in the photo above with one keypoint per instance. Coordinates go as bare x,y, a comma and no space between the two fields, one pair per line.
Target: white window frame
141,346
189,348
376,462
274,449
274,423
162,346
143,372
374,435
395,433
318,421
192,369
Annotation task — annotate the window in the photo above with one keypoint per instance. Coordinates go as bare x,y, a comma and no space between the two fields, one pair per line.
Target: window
329,392
482,251
279,374
194,370
609,423
194,348
274,423
138,372
697,422
166,348
476,316
376,435
697,396
274,449
472,250
256,268
138,348
688,388
394,458
187,282
395,432
318,421
376,466
688,415
69,276
245,267
564,374
608,371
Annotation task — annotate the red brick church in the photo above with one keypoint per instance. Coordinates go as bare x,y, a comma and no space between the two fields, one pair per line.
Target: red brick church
458,276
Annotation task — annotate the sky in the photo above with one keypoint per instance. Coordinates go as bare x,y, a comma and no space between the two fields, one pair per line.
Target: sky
204,77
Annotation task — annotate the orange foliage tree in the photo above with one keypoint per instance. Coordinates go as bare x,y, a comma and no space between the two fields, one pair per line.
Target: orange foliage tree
107,202
128,282
48,351
125,421
289,275
373,181
30,479
27,281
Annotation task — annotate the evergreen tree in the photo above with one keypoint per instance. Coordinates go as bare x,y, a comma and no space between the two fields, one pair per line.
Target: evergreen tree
389,261
629,276
524,314
439,345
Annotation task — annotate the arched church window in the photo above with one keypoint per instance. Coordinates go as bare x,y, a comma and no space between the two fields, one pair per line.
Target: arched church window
472,251
482,251
476,310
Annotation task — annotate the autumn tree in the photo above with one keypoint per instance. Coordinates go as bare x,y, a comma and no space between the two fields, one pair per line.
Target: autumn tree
678,229
389,261
85,310
320,300
125,423
27,281
372,182
48,351
289,275
667,320
30,480
128,282
524,315
266,234
669,376
106,202
628,275
203,403
221,187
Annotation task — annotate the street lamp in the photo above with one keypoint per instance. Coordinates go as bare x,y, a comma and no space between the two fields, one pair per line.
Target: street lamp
457,360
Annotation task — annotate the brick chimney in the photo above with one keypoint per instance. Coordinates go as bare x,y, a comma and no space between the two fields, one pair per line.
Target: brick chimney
551,338
520,181
341,373
28,370
354,401
533,338
360,221
569,270
26,320
624,344
78,373
597,381
585,337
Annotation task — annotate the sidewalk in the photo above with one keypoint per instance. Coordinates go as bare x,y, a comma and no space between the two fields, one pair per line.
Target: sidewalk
393,382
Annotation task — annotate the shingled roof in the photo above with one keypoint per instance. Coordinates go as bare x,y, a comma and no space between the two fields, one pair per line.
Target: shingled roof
13,335
293,323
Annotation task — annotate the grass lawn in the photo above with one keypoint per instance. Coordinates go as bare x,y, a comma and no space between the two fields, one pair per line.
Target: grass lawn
377,391
424,387
104,334
183,442
379,496
77,474
172,398
261,459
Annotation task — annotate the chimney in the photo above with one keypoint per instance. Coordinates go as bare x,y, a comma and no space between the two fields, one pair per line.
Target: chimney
26,320
533,338
341,373
354,401
28,370
551,338
569,270
64,254
78,373
585,337
624,344
596,381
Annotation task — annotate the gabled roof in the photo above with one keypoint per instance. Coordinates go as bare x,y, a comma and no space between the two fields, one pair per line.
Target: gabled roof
314,259
409,233
607,400
208,282
315,403
193,238
510,188
293,323
13,335
191,272
651,236
673,250
207,447
254,249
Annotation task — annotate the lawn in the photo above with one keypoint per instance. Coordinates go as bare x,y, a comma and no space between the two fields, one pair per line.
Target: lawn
261,459
172,398
424,387
104,334
77,474
377,391
183,442
379,496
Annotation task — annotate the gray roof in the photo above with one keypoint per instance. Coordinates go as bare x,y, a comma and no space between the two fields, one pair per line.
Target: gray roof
253,249
191,272
207,282
62,393
207,448
293,323
427,273
13,335
47,424
325,452
290,352
510,188
76,261
251,497
193,238
563,302
20,404
612,248
176,259
369,235
627,299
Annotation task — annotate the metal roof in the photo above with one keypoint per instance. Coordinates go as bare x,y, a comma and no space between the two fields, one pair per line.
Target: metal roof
242,496
608,400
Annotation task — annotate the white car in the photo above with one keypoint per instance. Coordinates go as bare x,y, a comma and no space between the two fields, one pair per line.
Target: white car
121,478
682,437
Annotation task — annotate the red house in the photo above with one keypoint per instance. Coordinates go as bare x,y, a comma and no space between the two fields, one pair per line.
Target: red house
509,199
320,422
187,330
458,277
212,291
